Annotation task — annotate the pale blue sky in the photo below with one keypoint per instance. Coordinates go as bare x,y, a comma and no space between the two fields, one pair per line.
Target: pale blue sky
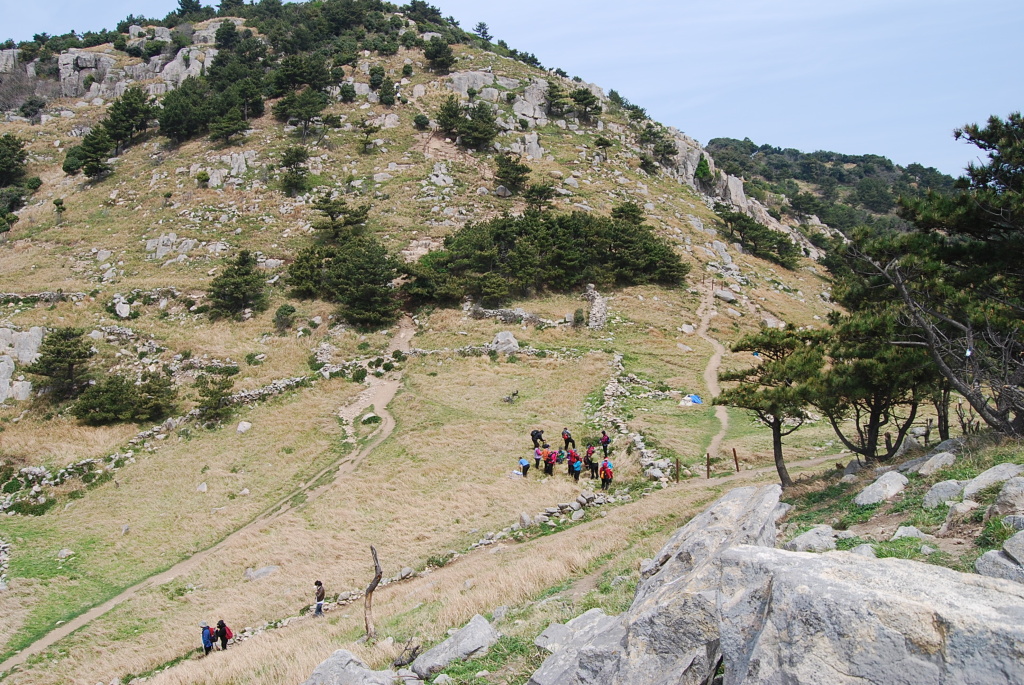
889,77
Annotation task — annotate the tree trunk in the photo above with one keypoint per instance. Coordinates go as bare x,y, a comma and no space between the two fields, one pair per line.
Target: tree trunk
371,630
780,465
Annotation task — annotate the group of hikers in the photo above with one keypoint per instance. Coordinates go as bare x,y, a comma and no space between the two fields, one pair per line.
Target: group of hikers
211,636
575,462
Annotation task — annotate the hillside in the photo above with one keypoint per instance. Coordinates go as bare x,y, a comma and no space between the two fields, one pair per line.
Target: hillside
118,539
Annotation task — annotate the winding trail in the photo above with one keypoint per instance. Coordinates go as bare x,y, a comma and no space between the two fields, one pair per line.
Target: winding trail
379,394
706,312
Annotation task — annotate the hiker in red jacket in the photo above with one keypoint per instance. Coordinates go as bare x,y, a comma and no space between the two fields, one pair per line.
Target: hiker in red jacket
549,462
572,459
606,474
604,443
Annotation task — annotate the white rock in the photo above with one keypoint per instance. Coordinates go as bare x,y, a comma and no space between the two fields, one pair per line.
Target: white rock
243,427
886,487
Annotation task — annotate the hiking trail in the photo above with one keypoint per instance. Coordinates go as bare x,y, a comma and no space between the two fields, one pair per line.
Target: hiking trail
379,394
706,311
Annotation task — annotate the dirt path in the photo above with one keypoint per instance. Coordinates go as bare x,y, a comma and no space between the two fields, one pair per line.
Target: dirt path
706,312
379,394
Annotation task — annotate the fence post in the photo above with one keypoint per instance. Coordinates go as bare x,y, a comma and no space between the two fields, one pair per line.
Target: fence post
677,469
736,459
708,455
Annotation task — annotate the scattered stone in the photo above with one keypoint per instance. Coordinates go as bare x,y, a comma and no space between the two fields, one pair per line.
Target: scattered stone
817,539
505,343
243,427
996,474
907,532
942,492
1014,547
885,488
201,487
865,550
999,564
64,554
1010,500
939,461
474,639
1014,521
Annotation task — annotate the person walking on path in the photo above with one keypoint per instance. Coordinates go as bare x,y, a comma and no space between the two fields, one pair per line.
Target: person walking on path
538,454
524,464
577,466
591,462
320,594
567,437
538,437
223,633
207,636
604,443
606,474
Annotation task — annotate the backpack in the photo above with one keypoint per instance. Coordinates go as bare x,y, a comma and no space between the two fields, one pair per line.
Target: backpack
227,632
566,435
605,439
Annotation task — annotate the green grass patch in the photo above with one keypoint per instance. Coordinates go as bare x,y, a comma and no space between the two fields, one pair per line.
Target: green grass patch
514,657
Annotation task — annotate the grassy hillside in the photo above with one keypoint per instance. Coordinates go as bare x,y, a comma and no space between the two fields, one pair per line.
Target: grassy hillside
299,490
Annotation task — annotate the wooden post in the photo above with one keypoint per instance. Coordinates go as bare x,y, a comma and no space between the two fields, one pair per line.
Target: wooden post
371,630
736,459
708,456
677,469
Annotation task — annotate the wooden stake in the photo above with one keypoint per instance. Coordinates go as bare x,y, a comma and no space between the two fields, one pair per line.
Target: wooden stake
736,459
371,630
708,455
677,469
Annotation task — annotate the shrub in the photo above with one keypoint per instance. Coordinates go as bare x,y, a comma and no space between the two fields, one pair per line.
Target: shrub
422,121
203,179
240,287
347,92
212,394
115,399
407,70
703,172
377,75
511,171
359,375
510,256
284,318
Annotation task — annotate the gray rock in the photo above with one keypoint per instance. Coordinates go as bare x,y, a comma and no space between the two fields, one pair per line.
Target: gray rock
21,391
473,639
942,492
123,309
725,295
577,515
584,650
64,554
864,550
852,468
202,487
996,474
817,539
1014,548
998,564
795,618
502,191
936,462
1014,521
243,427
524,520
344,668
907,532
952,445
462,81
886,487
956,514
261,572
505,343
1010,500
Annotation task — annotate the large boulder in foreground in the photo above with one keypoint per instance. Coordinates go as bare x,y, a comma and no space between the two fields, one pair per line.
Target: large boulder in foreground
344,668
797,618
473,639
670,634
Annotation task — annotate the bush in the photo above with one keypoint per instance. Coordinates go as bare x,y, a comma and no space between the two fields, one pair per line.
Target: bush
347,92
359,375
511,256
203,179
284,318
407,70
213,393
116,399
240,287
422,121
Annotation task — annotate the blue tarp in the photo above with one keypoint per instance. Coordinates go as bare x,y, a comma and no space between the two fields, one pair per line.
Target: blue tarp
696,399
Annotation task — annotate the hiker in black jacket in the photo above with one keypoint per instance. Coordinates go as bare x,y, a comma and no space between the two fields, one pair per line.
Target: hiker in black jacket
538,438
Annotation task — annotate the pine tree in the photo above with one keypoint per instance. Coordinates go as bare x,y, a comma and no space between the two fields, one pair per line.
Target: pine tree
511,171
339,221
128,115
293,180
12,159
228,126
187,110
439,54
213,394
94,151
773,391
386,93
585,103
62,358
240,287
480,129
482,30
703,171
449,115
558,101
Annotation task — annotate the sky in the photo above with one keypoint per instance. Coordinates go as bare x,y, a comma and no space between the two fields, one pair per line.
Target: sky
887,77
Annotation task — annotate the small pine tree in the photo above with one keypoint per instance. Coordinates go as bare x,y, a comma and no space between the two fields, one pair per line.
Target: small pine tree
377,75
387,92
62,358
703,172
449,115
12,159
284,318
240,287
95,149
482,30
293,180
511,171
228,126
213,395
347,92
421,121
439,54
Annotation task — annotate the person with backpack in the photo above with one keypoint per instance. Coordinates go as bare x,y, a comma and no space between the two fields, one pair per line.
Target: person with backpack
320,594
524,465
606,474
573,457
577,466
538,454
590,462
207,637
605,440
223,633
549,462
567,437
538,437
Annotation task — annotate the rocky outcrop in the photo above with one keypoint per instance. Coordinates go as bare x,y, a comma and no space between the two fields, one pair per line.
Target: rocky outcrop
344,668
598,308
789,617
720,593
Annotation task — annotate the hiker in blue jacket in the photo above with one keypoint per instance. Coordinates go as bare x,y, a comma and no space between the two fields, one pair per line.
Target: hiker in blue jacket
207,636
